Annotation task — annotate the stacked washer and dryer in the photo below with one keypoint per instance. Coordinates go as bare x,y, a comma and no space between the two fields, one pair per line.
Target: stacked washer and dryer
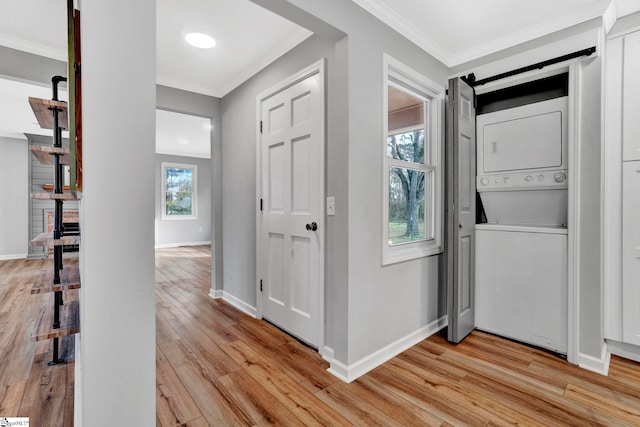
521,250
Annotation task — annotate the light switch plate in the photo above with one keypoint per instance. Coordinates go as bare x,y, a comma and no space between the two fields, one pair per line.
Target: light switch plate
331,206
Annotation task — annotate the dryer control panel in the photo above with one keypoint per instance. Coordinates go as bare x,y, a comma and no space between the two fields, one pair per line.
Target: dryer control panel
522,181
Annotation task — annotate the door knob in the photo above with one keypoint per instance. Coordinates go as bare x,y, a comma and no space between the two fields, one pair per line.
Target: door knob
313,226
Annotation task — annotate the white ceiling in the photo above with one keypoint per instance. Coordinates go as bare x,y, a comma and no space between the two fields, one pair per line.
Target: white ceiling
249,37
183,135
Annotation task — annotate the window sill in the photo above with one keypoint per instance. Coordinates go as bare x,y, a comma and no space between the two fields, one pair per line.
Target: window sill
408,252
178,218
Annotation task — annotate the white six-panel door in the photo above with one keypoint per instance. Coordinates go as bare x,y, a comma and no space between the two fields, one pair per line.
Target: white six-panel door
291,223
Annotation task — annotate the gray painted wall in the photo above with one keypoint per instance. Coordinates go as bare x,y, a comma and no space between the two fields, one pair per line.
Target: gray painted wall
368,306
27,67
14,185
175,232
386,303
239,166
239,179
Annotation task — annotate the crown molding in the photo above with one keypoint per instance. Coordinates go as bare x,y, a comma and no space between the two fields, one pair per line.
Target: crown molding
390,17
625,25
34,48
451,59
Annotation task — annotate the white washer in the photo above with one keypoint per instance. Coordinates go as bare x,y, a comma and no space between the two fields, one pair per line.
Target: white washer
521,283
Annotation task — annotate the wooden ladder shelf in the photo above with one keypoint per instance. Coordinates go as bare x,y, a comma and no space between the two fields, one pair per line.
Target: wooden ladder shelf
59,319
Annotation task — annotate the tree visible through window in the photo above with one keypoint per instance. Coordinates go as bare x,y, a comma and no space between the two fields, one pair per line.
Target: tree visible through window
406,188
412,171
179,191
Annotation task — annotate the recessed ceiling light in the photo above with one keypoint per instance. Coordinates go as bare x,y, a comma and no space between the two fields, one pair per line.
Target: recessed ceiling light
200,40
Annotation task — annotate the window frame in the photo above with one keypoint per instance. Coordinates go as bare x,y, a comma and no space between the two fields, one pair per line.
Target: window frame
408,80
194,191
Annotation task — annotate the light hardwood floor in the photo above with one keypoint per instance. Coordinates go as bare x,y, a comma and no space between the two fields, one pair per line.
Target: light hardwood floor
217,367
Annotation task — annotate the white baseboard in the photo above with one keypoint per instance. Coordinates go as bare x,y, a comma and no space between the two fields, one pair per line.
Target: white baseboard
234,301
177,245
594,364
216,293
628,351
12,256
354,371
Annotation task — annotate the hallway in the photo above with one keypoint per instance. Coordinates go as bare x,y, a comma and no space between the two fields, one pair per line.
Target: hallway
217,366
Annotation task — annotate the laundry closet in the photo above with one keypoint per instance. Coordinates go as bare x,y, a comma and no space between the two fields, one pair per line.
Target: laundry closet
513,142
521,212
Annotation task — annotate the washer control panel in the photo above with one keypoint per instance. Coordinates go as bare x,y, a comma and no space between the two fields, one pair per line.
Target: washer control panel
547,179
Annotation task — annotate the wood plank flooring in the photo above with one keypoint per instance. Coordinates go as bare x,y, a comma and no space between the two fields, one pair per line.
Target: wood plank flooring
218,367
28,386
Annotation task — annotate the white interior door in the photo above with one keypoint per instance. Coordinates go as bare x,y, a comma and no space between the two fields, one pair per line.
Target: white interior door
291,223
461,217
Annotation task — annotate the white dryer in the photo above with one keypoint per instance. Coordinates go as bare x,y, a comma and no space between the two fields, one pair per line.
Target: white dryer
522,164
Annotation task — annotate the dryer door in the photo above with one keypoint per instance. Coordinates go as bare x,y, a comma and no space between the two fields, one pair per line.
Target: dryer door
530,137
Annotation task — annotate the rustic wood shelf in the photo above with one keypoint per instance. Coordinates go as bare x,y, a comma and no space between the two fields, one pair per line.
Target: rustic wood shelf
69,279
42,109
55,196
44,154
69,321
46,239
49,187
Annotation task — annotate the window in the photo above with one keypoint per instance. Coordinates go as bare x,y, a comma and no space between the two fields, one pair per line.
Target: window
412,143
179,191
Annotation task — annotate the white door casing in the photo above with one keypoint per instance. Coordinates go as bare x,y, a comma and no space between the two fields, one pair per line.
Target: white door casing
290,223
461,218
631,252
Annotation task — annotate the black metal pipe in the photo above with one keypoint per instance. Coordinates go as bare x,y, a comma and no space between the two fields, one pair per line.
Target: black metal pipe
57,302
471,78
58,178
55,359
55,80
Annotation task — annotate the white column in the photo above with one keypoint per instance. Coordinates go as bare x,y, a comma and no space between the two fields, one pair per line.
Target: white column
115,381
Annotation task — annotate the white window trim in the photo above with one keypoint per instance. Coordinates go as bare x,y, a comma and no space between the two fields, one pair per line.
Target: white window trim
194,192
396,72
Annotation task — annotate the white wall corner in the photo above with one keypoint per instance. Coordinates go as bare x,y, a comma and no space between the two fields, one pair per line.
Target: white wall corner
352,372
216,293
594,364
327,353
239,304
